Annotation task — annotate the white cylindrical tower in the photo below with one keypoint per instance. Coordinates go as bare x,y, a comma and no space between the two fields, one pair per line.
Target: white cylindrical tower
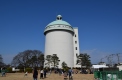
59,40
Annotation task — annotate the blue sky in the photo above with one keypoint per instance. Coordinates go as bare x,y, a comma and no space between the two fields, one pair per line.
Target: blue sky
22,23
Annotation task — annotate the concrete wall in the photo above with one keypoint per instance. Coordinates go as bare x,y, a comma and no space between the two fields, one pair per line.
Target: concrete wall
76,45
61,43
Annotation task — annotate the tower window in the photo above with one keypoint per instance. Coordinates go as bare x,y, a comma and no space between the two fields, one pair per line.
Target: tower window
75,48
75,42
75,35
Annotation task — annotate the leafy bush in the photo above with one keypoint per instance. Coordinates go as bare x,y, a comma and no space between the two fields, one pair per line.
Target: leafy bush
29,70
66,68
9,70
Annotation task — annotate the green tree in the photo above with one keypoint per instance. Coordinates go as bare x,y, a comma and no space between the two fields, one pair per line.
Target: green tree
84,60
79,59
49,60
55,60
64,65
52,59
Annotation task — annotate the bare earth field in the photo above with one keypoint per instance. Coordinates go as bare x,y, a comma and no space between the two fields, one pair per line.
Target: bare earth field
20,76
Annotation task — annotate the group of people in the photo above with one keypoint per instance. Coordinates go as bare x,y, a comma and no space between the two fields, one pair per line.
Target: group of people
43,73
68,73
65,73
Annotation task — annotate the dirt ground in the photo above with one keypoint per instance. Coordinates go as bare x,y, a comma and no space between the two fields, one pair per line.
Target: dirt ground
20,76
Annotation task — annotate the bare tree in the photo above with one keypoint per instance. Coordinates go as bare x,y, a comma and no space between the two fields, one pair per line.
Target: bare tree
28,58
1,61
118,57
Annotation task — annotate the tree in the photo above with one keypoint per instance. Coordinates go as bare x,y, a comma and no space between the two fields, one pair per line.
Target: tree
84,60
79,59
55,60
64,65
49,60
52,59
28,58
1,61
41,60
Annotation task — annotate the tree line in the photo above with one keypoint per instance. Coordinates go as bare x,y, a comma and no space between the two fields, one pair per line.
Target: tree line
35,58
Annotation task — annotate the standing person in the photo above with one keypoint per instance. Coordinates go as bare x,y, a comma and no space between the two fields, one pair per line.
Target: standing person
70,73
60,72
41,74
26,74
45,72
50,71
35,74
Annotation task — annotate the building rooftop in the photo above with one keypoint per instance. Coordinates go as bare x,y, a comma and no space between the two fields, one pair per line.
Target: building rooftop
59,24
58,21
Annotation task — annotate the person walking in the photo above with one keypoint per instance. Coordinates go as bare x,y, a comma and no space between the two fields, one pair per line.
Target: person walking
35,74
41,74
70,73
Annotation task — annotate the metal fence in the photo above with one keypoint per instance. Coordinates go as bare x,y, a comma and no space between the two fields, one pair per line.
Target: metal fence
108,75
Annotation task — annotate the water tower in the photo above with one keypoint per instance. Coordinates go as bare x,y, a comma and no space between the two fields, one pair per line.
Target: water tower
59,40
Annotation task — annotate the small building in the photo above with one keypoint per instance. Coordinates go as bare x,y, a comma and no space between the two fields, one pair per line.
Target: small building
96,67
120,66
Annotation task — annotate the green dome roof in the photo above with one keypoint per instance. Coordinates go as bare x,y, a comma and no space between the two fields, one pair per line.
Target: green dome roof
59,21
59,24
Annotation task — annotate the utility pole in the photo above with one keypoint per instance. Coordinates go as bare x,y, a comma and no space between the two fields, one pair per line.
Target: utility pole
112,59
118,57
108,58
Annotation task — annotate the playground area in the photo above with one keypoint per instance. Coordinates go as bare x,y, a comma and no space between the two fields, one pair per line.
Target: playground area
20,76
